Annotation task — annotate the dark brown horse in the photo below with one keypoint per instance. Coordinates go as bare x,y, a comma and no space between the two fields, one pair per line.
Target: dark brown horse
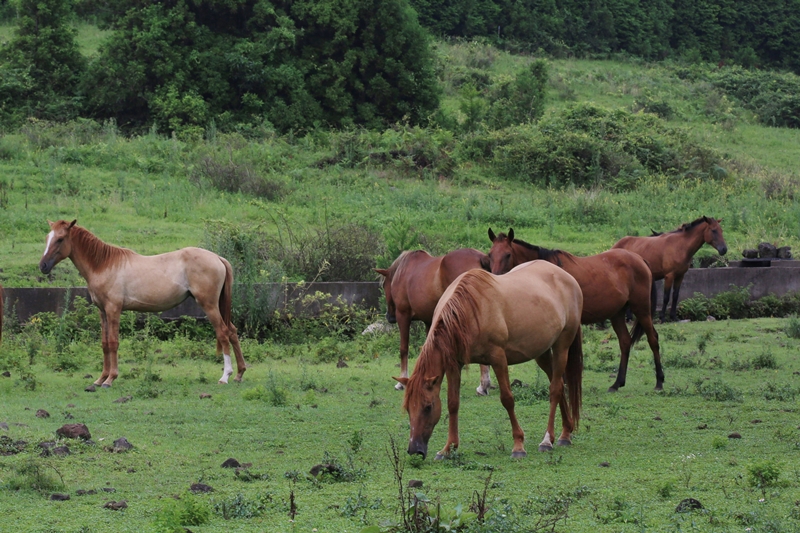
669,255
119,279
413,285
610,281
533,312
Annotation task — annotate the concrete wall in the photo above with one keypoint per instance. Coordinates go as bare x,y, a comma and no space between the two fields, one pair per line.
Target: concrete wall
778,279
29,301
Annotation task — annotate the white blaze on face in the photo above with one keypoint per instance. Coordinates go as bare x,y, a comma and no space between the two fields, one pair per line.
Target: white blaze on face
228,370
49,239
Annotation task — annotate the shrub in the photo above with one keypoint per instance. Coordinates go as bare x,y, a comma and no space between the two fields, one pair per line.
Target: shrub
773,96
521,99
187,511
718,391
763,474
232,176
793,327
243,63
783,393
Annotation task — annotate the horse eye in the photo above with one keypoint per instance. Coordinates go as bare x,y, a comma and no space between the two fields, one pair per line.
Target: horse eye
428,408
59,240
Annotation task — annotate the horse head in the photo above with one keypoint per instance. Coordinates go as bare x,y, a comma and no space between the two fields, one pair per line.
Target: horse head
391,317
713,235
59,245
501,256
424,410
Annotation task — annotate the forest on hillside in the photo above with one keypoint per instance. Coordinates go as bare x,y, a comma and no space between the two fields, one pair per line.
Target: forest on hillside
302,64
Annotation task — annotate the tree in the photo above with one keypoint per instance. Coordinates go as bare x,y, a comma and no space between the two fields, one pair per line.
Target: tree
181,64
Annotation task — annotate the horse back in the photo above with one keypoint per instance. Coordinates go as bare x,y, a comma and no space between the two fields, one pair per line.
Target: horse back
657,251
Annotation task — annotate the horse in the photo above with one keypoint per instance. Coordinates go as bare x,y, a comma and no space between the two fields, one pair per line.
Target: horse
413,285
533,312
611,282
119,279
669,255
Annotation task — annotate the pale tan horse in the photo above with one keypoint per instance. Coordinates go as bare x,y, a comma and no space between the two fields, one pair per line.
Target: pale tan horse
533,312
119,279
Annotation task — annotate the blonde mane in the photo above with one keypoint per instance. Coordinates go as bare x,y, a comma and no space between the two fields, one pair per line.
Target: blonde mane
98,254
453,330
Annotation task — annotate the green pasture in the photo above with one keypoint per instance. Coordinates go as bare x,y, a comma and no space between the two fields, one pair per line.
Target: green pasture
637,453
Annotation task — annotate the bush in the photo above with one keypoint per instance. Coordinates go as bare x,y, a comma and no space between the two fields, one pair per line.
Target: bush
718,391
773,96
187,511
182,65
520,100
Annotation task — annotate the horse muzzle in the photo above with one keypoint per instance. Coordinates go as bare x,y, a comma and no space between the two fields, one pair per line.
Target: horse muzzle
46,266
722,250
416,447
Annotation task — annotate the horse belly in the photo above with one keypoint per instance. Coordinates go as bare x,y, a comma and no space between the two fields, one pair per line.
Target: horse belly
150,302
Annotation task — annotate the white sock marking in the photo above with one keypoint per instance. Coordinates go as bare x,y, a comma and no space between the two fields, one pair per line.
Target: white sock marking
228,370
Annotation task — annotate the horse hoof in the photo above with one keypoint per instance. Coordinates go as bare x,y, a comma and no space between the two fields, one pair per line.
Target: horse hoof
440,457
545,448
106,385
659,388
563,442
519,455
220,382
399,386
482,392
612,389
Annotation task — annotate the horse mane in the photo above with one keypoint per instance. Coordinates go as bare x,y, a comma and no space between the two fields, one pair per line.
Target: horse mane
97,253
554,256
452,331
686,226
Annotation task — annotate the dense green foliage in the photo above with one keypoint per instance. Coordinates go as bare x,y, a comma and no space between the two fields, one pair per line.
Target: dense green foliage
289,65
41,66
747,32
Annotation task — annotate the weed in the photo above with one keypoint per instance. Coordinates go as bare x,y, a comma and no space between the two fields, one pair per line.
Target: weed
33,475
175,514
718,442
240,506
717,390
792,327
766,359
783,393
702,342
356,441
274,393
359,505
763,474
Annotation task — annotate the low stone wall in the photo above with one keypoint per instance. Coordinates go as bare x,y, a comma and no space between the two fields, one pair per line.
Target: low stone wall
779,279
29,301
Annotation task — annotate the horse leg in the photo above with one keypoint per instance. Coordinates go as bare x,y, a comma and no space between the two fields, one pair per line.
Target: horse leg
545,363
104,343
652,340
486,381
404,325
453,391
225,336
112,338
667,289
500,368
618,323
673,312
233,337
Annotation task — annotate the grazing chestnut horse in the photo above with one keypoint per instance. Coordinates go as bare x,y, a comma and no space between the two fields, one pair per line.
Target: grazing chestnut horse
413,285
533,312
119,279
610,281
669,255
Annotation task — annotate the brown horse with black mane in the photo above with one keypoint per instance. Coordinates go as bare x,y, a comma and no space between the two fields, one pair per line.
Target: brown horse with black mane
611,282
413,285
669,255
119,279
533,312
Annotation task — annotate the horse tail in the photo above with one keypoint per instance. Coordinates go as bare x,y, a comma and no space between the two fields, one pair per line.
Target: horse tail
226,295
573,376
2,309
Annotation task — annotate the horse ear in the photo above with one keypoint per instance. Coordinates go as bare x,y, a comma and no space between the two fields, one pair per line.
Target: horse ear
404,381
431,381
510,234
719,221
486,263
491,235
72,223
705,219
51,224
382,271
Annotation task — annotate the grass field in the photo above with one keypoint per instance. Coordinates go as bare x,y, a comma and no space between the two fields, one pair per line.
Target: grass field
636,455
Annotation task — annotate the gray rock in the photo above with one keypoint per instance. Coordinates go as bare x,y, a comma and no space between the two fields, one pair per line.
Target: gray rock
74,431
750,253
767,250
122,445
785,252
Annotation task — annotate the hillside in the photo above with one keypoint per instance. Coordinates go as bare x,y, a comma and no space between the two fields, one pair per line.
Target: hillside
371,194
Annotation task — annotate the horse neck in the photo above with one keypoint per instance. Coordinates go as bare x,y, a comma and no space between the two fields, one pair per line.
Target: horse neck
695,237
91,255
523,254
